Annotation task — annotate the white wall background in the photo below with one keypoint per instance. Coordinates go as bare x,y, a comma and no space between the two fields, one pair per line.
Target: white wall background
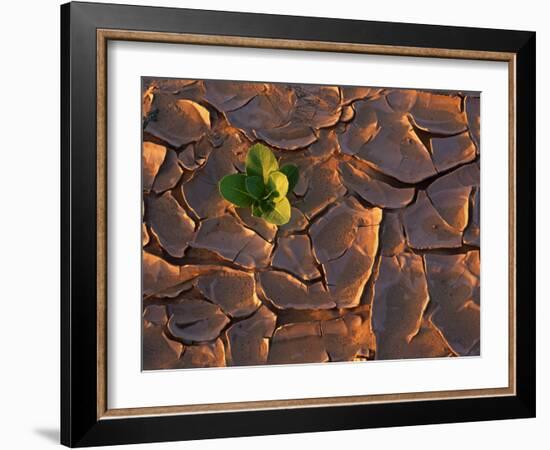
29,224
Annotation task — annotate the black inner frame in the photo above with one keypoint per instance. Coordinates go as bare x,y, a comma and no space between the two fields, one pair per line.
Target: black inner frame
79,423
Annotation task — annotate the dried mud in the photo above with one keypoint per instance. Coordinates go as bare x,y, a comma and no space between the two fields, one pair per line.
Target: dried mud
380,259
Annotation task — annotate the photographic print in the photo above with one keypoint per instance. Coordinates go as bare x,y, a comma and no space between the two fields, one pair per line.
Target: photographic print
294,223
309,194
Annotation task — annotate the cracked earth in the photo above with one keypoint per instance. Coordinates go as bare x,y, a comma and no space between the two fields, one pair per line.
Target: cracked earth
380,259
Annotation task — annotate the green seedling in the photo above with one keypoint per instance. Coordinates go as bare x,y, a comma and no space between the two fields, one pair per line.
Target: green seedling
263,188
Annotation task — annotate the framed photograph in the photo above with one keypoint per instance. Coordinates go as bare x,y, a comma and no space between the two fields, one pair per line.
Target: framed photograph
276,224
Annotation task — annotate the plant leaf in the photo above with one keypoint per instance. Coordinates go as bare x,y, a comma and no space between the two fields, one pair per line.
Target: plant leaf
277,186
255,186
233,188
280,214
256,210
266,205
260,162
292,173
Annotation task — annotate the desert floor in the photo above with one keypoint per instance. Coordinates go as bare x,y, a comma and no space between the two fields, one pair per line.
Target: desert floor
379,261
